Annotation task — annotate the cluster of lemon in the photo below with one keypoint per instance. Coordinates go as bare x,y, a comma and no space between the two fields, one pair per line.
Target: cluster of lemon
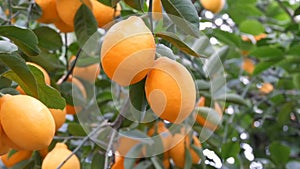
27,125
62,12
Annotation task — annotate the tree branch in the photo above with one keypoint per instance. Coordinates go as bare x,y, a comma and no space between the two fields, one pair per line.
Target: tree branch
286,10
86,138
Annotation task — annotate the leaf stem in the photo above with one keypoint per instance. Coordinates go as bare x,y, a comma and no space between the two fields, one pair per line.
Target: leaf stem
109,148
29,12
86,138
66,50
9,11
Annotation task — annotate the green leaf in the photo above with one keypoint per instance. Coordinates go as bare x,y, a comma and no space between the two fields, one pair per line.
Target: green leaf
136,4
227,38
143,165
183,14
188,159
111,3
296,80
22,73
262,66
163,50
98,160
284,113
214,64
25,39
7,47
297,11
209,114
252,27
45,93
279,153
267,52
133,152
240,12
137,95
76,129
48,38
230,149
85,24
233,98
176,41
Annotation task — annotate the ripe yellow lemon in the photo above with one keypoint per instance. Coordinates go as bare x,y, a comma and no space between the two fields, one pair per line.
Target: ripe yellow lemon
248,66
266,88
59,153
214,6
156,9
63,27
49,12
74,109
170,90
46,76
59,117
88,73
128,51
67,9
177,153
27,122
3,147
104,14
15,158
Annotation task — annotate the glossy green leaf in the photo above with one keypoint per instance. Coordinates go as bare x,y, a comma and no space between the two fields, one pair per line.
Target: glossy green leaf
227,38
230,149
133,152
279,153
233,98
183,14
45,93
21,72
137,95
176,41
262,66
25,39
240,12
136,4
98,160
48,38
7,47
284,113
267,52
252,27
163,50
187,159
76,129
111,3
85,24
296,80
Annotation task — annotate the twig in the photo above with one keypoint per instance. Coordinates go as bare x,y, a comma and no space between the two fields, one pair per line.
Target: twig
67,137
86,138
65,77
66,50
109,148
9,12
29,13
286,10
115,125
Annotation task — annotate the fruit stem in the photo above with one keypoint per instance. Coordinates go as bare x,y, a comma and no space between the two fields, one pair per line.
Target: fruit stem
86,138
66,48
72,66
150,15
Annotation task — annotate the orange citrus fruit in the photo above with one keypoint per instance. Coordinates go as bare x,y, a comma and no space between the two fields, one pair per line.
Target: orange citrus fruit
248,66
256,37
15,158
119,163
59,117
128,51
266,88
67,9
43,152
29,125
125,144
156,9
4,148
177,153
104,14
63,27
88,73
74,109
59,153
49,12
214,6
170,90
46,76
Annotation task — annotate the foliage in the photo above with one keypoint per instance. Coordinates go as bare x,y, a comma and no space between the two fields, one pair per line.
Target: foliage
258,129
